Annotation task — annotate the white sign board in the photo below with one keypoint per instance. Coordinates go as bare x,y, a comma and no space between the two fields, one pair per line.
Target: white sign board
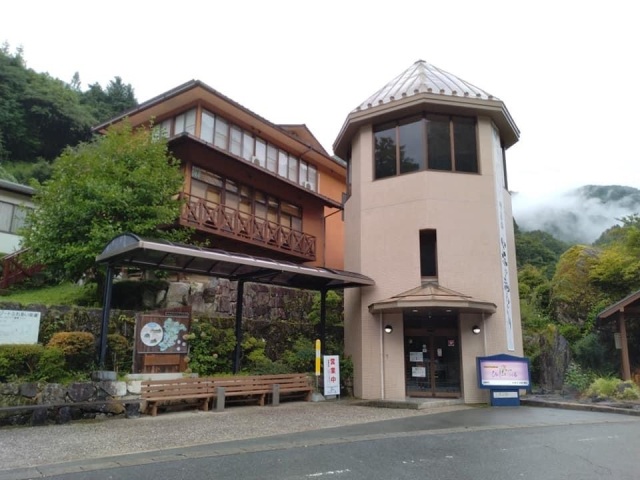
416,357
331,375
17,326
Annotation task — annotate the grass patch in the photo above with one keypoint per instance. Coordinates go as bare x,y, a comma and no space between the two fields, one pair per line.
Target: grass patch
62,294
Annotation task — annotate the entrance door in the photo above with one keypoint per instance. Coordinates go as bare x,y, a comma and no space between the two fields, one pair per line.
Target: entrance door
432,361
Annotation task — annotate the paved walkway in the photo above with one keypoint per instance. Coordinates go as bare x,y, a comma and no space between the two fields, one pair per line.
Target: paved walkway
23,448
82,440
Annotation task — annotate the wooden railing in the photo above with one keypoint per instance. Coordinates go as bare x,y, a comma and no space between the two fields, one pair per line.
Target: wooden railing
229,222
14,271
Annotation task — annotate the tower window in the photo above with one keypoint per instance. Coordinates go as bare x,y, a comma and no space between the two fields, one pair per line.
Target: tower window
428,142
428,254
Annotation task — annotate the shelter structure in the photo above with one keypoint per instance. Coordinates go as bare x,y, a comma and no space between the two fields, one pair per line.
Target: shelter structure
620,313
130,250
428,218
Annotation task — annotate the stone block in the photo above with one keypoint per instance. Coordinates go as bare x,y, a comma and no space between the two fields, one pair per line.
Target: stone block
131,410
134,386
81,392
9,389
29,390
63,415
39,416
53,393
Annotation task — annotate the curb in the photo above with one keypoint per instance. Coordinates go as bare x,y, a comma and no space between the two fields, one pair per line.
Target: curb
587,407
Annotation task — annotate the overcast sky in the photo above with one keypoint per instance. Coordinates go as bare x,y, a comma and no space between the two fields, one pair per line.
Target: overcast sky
566,70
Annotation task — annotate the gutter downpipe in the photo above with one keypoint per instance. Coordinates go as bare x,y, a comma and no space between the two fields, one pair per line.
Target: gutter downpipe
382,396
238,349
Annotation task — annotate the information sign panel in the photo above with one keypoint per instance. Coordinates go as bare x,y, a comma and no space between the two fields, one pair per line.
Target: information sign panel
19,326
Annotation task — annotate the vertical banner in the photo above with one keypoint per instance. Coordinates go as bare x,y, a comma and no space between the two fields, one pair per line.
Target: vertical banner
500,186
317,358
331,375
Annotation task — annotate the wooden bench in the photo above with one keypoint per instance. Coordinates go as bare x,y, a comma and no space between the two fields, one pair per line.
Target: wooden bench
155,392
218,389
258,387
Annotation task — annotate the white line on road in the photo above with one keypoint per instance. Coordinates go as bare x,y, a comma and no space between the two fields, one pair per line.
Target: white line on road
331,472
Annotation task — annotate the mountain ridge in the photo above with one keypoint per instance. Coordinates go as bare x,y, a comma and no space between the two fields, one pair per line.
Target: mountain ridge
579,215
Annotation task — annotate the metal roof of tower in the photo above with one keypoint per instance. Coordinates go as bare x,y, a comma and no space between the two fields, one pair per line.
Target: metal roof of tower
422,77
425,87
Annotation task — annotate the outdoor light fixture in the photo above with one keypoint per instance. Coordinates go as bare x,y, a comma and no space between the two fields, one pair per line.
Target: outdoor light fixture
388,329
475,329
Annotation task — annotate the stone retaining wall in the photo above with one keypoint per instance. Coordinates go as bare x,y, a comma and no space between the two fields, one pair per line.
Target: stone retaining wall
42,403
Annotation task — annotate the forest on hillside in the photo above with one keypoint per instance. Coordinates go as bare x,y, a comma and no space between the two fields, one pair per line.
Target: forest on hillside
563,285
40,115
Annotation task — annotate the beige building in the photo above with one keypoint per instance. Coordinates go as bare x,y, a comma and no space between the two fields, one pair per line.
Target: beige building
428,217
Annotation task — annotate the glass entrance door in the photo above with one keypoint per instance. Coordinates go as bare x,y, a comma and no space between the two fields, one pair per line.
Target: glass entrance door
432,362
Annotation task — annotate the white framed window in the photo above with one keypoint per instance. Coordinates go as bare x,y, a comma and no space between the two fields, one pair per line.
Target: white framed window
222,133
206,126
235,143
247,145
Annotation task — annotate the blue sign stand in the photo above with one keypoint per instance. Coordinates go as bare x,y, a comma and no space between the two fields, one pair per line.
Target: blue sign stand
505,397
504,376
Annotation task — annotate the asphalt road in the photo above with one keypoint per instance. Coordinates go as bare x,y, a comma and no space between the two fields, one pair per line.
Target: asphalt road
479,444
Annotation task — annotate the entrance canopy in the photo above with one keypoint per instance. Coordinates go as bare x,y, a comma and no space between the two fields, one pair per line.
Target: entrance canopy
131,250
432,296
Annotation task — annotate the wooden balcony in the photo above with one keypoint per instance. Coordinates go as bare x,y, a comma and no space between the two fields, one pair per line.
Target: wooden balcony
217,219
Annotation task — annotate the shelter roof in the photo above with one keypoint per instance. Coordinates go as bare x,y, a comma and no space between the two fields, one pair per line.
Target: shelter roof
131,250
630,304
432,296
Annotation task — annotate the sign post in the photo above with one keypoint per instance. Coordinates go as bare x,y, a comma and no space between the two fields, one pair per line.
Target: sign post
316,396
504,375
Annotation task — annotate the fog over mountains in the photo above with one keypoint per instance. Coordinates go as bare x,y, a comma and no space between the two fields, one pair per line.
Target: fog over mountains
577,216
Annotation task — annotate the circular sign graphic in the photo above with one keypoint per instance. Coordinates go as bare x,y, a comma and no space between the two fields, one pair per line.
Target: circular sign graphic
151,334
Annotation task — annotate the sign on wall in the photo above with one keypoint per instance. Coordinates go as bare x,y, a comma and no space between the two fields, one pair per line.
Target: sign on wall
18,326
162,332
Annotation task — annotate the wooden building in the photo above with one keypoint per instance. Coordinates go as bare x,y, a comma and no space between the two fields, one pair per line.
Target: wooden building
250,186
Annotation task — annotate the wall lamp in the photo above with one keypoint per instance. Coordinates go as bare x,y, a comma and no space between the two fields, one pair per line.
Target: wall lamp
388,329
475,329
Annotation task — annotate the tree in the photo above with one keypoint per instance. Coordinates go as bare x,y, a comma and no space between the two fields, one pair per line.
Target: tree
105,104
124,181
573,294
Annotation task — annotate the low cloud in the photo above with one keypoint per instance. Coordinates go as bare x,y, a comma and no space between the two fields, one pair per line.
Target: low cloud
577,216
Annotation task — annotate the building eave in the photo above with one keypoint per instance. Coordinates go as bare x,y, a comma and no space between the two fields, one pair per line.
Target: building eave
427,102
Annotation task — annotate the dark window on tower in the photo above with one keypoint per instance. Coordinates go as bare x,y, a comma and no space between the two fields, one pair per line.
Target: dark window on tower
385,153
428,254
464,134
426,142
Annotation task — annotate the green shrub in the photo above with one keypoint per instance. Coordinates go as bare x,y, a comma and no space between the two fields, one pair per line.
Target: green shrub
211,349
119,353
614,388
627,390
603,387
578,378
301,357
79,349
592,354
19,361
52,366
